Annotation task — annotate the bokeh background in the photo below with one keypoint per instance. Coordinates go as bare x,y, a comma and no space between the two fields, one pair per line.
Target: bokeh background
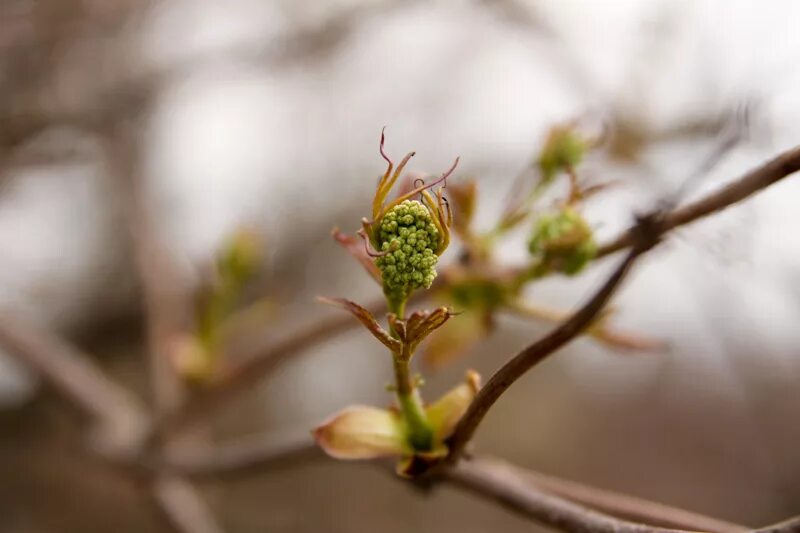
267,114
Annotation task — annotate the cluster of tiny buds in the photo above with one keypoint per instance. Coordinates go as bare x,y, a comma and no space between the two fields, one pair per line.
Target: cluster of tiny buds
408,240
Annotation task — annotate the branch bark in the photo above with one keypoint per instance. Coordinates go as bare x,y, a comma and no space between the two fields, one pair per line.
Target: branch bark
505,486
254,456
750,183
792,525
119,419
538,351
642,238
264,359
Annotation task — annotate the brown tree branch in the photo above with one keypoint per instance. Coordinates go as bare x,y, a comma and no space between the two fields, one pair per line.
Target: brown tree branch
642,238
119,418
538,351
504,485
247,457
625,506
264,358
165,296
253,456
181,506
166,305
792,525
750,183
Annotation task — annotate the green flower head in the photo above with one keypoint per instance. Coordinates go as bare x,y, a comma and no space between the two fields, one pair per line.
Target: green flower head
410,239
407,235
563,241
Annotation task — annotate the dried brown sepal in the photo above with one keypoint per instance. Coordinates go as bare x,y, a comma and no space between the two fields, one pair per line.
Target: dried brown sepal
419,325
366,318
355,247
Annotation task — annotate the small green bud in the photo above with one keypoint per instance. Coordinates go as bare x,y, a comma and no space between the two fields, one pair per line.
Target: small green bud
563,242
562,150
409,238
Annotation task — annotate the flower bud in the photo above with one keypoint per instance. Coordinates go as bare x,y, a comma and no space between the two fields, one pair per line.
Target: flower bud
563,242
409,240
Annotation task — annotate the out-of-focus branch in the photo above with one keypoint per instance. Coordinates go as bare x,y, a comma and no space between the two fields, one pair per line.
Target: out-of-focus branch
247,457
181,506
118,416
264,358
791,525
164,292
166,305
253,456
752,182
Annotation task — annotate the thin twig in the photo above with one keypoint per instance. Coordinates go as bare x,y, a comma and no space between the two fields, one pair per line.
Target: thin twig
119,418
536,352
505,486
164,292
181,505
625,506
253,456
750,183
166,305
263,360
792,525
247,457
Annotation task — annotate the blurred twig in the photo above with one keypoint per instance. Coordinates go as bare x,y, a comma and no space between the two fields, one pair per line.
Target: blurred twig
265,356
792,525
747,185
166,303
253,456
115,412
182,507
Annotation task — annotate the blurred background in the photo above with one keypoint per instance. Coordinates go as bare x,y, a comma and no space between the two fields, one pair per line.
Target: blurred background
267,114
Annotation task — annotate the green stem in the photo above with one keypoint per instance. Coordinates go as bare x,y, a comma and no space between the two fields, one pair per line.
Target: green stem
420,432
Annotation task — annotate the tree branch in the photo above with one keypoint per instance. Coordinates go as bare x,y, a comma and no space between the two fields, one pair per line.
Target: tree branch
625,506
503,484
265,357
256,455
750,183
166,305
164,292
642,237
246,457
119,418
792,525
181,506
538,351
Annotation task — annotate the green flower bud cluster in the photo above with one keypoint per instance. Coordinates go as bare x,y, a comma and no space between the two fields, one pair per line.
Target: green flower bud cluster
563,242
563,149
409,238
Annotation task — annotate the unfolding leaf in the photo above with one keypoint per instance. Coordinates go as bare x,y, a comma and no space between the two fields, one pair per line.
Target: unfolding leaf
366,318
362,432
445,413
356,248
